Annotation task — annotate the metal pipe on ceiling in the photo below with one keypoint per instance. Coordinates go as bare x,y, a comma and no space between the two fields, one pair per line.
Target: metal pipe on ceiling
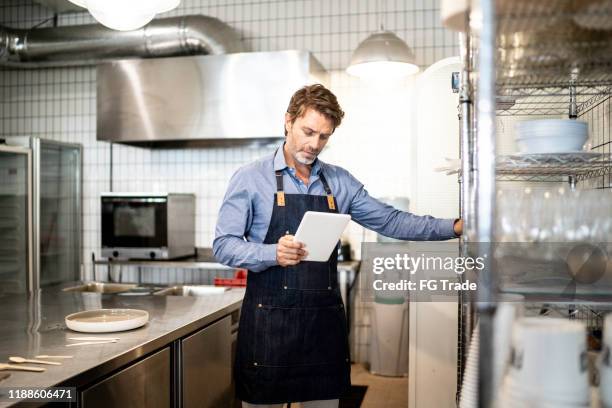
92,43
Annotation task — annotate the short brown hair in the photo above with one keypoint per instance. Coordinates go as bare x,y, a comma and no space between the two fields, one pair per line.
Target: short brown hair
316,97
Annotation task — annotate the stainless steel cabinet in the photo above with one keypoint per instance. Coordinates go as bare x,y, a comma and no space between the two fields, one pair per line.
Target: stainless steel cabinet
206,366
235,402
144,384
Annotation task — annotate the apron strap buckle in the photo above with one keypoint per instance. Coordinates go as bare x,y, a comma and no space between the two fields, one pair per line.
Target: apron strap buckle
330,202
280,198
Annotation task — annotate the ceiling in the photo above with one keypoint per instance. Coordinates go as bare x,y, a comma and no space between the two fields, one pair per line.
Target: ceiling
60,6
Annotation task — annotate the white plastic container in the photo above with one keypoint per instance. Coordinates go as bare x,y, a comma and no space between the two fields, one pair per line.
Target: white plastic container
605,367
549,362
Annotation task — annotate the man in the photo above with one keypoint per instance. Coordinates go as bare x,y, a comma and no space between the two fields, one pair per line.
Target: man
292,342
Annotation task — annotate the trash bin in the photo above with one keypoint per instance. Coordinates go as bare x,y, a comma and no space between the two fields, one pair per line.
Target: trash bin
389,338
389,320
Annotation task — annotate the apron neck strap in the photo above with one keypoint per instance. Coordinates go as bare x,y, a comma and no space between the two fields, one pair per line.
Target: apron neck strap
280,194
279,180
280,185
325,185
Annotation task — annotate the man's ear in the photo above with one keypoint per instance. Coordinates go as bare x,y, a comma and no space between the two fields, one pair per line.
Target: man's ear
287,122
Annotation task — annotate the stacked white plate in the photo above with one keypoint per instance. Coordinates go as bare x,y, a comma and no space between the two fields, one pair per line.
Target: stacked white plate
549,365
469,387
605,368
551,135
509,309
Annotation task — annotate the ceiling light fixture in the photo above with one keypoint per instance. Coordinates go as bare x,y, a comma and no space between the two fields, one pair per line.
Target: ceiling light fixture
125,15
382,55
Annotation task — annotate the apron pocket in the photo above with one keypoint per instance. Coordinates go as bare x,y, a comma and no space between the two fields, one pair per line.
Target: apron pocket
300,336
308,275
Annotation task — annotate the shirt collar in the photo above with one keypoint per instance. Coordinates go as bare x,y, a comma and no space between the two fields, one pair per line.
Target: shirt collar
281,164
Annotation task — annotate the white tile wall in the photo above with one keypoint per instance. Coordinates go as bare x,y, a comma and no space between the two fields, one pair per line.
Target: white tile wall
60,103
374,142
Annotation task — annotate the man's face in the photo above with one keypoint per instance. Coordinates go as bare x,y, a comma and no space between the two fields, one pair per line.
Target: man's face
308,135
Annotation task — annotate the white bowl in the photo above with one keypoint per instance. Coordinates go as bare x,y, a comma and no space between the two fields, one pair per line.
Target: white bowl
551,135
106,320
559,144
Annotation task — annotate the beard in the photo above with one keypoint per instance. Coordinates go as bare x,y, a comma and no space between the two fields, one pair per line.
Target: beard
303,159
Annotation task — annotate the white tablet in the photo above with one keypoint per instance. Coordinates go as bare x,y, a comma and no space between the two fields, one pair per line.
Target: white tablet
320,232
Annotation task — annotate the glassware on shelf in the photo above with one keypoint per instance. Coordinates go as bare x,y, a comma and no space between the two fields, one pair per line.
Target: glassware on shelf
559,215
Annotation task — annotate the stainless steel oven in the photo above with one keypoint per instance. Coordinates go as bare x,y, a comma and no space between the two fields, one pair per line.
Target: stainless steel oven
148,225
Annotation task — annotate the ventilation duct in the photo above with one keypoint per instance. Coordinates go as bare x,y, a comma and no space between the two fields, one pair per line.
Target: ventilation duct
211,93
89,44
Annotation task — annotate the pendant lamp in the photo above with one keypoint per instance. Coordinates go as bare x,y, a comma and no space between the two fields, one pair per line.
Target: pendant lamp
382,55
125,15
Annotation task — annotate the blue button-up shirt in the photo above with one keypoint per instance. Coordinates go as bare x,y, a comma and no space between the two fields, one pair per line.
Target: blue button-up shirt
246,211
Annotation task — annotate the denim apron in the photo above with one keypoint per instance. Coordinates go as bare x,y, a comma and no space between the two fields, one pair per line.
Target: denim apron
293,338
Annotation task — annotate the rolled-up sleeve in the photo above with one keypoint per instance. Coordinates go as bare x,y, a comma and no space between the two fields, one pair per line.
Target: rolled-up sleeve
235,217
391,222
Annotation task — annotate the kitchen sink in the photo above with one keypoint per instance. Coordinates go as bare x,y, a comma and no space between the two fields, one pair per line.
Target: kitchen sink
101,287
192,290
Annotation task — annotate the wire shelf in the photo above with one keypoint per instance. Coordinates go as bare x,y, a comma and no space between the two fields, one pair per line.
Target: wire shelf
591,314
533,178
553,167
554,42
598,115
552,57
537,16
553,101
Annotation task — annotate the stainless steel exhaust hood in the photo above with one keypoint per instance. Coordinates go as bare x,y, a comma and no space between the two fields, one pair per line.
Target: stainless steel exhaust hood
211,100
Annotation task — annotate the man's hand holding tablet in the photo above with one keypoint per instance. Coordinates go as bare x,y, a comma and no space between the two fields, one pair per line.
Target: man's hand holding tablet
289,252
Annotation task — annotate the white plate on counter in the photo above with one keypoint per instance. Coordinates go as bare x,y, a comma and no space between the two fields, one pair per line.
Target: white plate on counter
107,320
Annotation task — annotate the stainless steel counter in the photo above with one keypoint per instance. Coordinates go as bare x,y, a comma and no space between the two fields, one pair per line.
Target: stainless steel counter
203,259
36,326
